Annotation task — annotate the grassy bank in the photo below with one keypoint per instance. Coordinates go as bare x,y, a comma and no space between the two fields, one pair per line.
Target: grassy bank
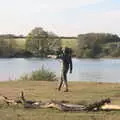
80,92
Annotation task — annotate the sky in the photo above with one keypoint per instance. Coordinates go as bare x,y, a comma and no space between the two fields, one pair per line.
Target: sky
63,17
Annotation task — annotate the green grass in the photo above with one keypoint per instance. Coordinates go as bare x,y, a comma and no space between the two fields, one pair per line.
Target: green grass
65,43
43,90
69,43
20,43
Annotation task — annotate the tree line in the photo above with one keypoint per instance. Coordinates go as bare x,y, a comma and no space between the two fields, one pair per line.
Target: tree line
40,43
98,45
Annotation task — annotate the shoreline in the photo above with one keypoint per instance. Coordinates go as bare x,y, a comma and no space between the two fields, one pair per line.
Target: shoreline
69,82
106,57
96,82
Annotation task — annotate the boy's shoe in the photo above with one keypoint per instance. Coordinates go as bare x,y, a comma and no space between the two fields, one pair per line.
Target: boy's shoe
66,90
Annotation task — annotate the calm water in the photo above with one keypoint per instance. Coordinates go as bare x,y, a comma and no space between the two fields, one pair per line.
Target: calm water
99,70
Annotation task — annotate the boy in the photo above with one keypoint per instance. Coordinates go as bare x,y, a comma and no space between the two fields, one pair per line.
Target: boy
66,65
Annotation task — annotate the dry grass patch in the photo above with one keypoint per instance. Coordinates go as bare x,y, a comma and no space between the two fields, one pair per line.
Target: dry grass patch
80,92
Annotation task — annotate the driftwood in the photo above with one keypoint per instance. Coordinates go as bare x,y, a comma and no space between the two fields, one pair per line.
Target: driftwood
63,105
98,105
111,107
10,101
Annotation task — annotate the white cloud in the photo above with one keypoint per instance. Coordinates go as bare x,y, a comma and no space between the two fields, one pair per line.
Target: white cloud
23,15
66,3
98,22
84,23
58,5
107,22
43,5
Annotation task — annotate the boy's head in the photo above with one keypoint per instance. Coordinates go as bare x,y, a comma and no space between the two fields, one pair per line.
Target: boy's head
67,51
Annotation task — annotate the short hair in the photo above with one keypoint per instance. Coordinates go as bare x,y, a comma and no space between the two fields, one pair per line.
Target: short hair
68,51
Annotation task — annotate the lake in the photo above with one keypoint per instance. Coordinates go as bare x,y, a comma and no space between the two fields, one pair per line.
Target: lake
98,70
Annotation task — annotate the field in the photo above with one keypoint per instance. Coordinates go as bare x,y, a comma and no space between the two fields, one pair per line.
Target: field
80,92
72,43
66,42
20,43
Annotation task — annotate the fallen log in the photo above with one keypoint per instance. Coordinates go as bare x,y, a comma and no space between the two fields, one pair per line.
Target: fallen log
110,107
96,106
10,101
63,105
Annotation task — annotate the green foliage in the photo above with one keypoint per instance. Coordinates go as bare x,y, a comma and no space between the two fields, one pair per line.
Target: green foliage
39,75
41,43
97,45
20,43
116,53
36,41
7,47
88,53
111,49
71,43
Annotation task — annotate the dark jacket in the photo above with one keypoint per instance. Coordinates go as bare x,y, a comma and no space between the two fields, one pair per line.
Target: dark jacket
67,62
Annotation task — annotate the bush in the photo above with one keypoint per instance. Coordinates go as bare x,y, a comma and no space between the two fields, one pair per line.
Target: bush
88,53
40,75
116,53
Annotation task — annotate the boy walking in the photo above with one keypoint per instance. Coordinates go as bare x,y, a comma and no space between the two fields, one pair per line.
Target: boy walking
66,65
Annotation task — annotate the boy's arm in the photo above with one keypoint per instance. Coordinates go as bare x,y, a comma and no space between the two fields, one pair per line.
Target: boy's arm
52,56
71,66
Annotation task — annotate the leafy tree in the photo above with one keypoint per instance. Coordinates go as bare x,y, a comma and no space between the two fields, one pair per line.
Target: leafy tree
92,44
37,41
54,42
40,42
7,47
